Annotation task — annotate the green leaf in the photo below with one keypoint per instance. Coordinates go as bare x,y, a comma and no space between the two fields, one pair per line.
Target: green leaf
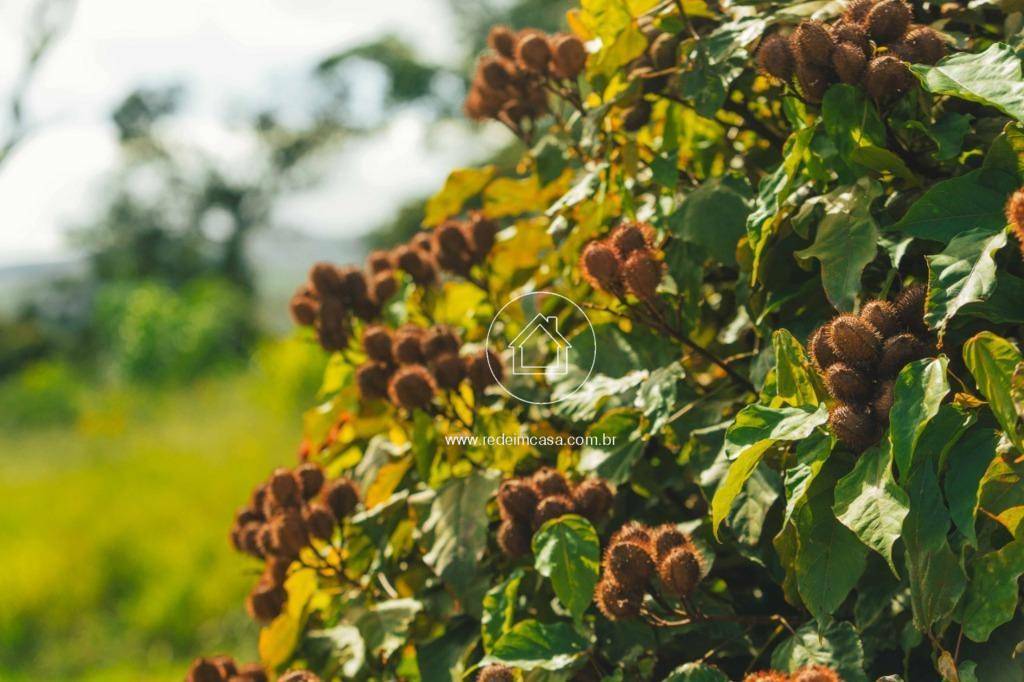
460,185
920,388
992,77
964,273
715,216
992,594
992,360
621,445
869,502
1003,305
1001,494
657,396
797,384
754,431
836,646
567,551
811,455
967,463
851,119
846,241
385,626
532,645
455,532
972,201
348,651
499,610
696,672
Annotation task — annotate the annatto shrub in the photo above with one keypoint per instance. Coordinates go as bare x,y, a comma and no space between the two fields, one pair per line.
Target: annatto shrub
714,184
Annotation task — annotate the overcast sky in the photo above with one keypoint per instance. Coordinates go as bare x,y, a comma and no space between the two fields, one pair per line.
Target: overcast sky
233,56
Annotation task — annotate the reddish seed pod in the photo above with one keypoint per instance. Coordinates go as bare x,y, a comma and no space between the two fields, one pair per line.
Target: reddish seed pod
449,370
816,673
203,670
415,262
289,532
320,520
854,427
812,43
881,404
552,508
533,51
412,387
593,499
438,340
276,570
849,62
847,384
854,34
921,45
514,538
372,380
495,72
550,481
379,261
632,532
250,672
266,602
342,496
888,20
630,237
383,286
898,352
299,676
333,329
377,343
910,306
496,673
767,676
641,274
680,571
600,266
853,340
1015,215
325,279
481,232
406,346
310,478
352,284
857,11
821,352
303,309
517,499
616,602
503,41
630,564
450,240
283,488
775,57
883,316
813,80
568,57
483,369
666,538
887,77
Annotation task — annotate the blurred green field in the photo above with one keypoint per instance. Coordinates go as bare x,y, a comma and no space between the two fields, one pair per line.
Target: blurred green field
113,529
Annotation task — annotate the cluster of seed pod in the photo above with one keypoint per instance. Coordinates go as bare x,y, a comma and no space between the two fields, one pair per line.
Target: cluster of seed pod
527,503
510,84
859,358
652,69
869,45
811,673
224,669
625,261
285,514
1015,215
636,555
409,365
496,672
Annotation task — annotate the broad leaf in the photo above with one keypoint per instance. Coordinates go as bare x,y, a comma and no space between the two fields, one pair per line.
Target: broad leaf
992,360
836,646
797,384
460,186
992,77
993,591
499,610
811,455
967,463
620,445
532,645
972,201
965,272
696,672
715,216
920,388
567,551
385,626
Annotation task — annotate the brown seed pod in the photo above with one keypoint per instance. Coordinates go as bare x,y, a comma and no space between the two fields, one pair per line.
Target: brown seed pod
377,343
517,499
310,478
319,520
616,602
481,232
629,237
372,380
514,538
680,571
449,239
632,532
483,369
888,20
299,676
496,673
383,286
641,274
1015,215
849,62
496,72
821,352
552,508
416,263
775,57
204,670
813,80
503,41
353,284
265,602
438,340
767,676
857,11
816,673
248,538
854,427
407,345
412,387
666,538
600,266
629,564
303,309
898,352
325,279
887,77
379,261
568,57
593,498
550,481
636,116
248,514
881,404
921,45
250,672
846,32
910,306
342,496
283,488
882,316
812,43
533,51
276,570
448,369
289,532
853,340
333,330
663,51
847,384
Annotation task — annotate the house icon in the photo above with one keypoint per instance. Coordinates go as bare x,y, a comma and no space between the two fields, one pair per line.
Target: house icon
531,348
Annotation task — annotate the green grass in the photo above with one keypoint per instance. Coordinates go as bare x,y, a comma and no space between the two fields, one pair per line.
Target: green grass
113,530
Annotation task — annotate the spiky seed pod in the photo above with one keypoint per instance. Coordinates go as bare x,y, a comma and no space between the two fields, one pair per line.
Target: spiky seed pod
857,11
847,384
265,541
416,263
365,309
853,340
484,369
203,670
882,316
342,496
379,261
775,57
680,571
515,110
887,77
846,32
265,602
407,345
303,309
412,387
881,404
600,266
250,672
632,532
319,520
629,237
332,331
299,676
816,673
849,62
517,499
616,602
630,564
310,478
533,52
663,51
514,538
811,43
372,380
449,239
383,286
898,352
821,352
854,426
767,676
248,514
666,538
910,306
283,488
813,81
225,666
1015,215
448,370
568,55
888,20
495,72
550,481
636,116
921,45
641,274
552,508
438,340
325,279
593,498
352,282
289,531
496,673
377,343
502,40
276,570
248,538
481,232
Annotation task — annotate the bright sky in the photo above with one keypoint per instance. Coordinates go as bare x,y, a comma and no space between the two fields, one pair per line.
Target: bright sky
233,56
